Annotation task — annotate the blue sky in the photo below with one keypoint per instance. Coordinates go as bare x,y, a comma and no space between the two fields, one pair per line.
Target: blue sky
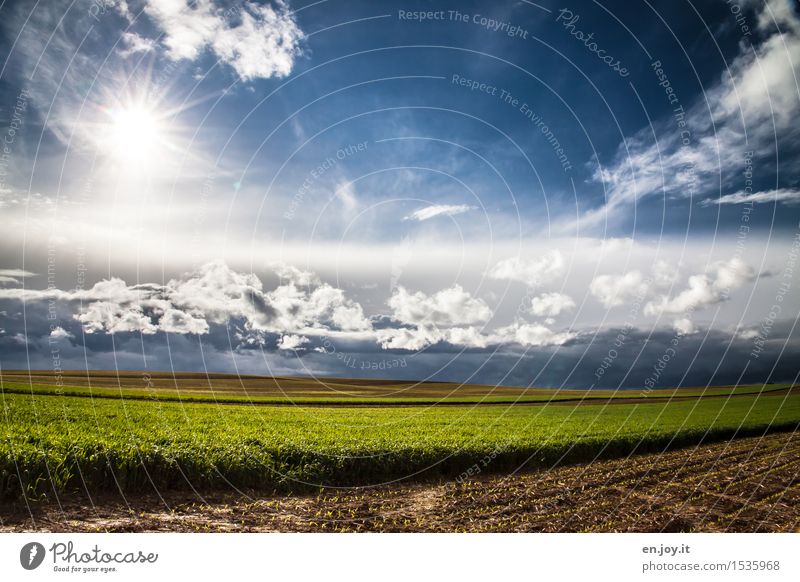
482,191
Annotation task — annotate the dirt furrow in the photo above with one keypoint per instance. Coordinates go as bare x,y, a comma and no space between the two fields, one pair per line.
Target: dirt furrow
743,485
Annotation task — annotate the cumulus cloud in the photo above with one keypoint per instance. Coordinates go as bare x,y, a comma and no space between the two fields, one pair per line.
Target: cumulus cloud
446,316
256,40
450,316
521,333
551,304
533,272
616,290
177,321
705,289
448,307
295,276
291,342
438,210
301,309
663,274
468,337
533,335
412,339
114,318
784,195
684,326
213,294
58,333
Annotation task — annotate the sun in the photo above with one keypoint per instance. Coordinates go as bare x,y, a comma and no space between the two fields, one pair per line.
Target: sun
135,133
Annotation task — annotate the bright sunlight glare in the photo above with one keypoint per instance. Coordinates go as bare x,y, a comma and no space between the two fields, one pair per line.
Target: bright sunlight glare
135,133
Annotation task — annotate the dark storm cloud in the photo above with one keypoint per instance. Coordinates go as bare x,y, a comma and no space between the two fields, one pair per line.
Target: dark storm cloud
610,358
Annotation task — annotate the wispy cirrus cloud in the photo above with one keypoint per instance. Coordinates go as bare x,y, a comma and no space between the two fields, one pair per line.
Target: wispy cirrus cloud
13,276
780,195
439,210
699,147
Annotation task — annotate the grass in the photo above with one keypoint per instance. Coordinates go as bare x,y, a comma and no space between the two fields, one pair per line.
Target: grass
56,443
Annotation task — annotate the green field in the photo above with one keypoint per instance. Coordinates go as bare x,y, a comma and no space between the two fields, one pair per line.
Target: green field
54,442
230,389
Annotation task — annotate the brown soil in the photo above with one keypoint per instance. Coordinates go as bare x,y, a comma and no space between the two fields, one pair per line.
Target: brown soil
745,485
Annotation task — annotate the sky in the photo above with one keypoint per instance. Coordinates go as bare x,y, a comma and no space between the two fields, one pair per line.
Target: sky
583,194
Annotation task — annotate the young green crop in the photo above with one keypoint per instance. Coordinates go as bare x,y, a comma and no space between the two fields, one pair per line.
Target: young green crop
58,443
362,395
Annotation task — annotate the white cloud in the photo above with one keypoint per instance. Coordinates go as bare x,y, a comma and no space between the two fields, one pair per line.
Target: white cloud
291,342
135,43
301,305
551,304
758,89
346,193
468,337
409,338
785,195
616,290
13,276
438,210
763,83
684,326
446,316
212,294
401,257
533,272
705,289
448,307
525,334
16,273
258,41
115,318
533,334
58,333
747,334
177,321
295,276
663,274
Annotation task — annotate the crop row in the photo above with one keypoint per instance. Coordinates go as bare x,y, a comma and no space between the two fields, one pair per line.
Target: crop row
52,444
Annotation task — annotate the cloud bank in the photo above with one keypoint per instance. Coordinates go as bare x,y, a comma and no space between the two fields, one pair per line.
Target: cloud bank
300,307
